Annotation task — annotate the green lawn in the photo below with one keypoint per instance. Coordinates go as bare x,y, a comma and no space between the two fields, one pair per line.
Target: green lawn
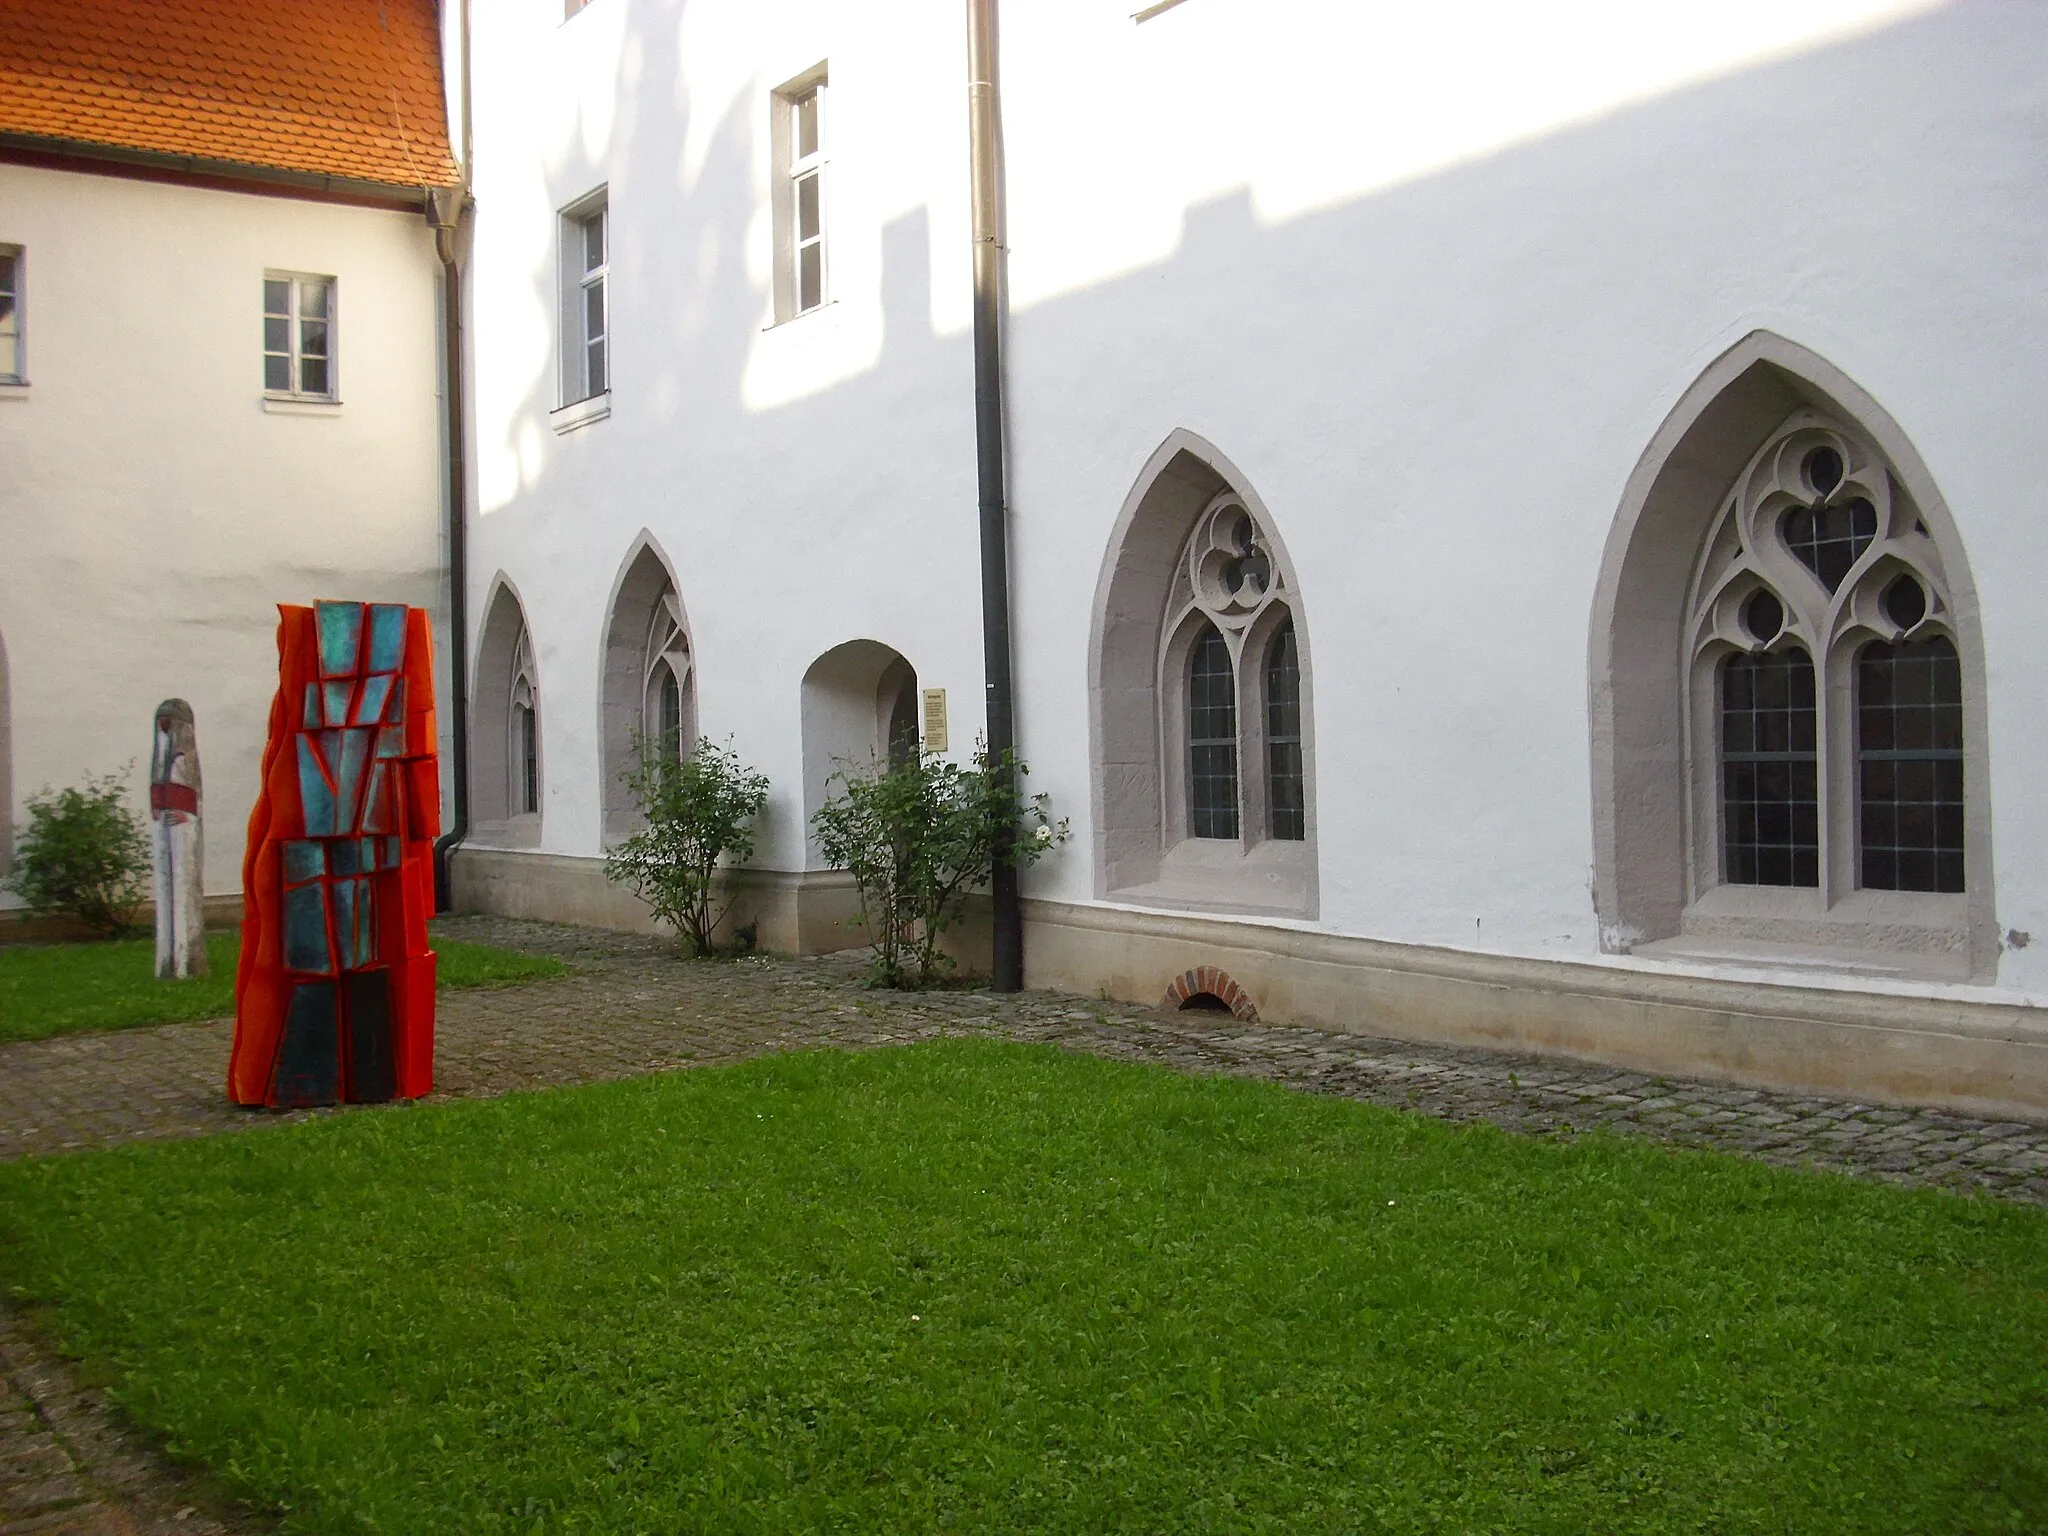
979,1287
54,989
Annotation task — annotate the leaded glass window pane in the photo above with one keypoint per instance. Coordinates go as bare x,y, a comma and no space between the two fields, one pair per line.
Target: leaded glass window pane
1212,737
529,760
1828,540
1909,761
1770,803
1285,787
669,711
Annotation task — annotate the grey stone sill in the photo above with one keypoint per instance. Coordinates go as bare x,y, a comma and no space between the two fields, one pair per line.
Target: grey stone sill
1271,879
291,405
1756,954
14,389
581,413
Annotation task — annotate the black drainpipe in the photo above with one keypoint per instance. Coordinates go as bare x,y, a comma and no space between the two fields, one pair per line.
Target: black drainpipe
984,126
445,208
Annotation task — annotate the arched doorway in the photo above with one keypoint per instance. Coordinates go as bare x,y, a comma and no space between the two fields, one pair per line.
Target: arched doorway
860,708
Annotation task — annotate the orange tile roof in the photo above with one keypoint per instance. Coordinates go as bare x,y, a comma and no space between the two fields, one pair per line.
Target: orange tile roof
348,88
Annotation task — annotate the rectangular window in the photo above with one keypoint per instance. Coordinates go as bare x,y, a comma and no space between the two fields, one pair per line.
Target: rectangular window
799,140
298,336
13,362
586,307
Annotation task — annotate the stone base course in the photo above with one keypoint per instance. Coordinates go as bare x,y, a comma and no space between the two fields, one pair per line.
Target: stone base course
634,1006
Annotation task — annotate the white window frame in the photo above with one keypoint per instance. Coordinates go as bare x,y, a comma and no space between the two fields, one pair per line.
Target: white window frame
295,338
793,169
14,325
578,278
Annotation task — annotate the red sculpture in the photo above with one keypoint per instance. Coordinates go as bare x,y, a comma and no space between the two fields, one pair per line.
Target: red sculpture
334,994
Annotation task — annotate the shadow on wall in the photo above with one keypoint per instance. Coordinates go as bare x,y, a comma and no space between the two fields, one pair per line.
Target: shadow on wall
1476,251
859,704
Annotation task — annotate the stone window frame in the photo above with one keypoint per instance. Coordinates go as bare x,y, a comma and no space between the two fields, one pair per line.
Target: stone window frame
1248,630
1746,553
646,628
1143,629
1664,615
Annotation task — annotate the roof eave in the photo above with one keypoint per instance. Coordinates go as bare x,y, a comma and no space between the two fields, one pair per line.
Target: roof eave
275,181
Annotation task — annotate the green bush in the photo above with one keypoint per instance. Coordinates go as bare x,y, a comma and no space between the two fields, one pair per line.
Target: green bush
85,855
699,810
917,836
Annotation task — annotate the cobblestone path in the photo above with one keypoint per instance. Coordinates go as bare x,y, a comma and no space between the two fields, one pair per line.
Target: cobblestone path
632,1007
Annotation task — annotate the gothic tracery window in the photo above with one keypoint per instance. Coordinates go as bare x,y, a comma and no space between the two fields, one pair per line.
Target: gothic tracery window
665,682
1825,672
522,751
1231,639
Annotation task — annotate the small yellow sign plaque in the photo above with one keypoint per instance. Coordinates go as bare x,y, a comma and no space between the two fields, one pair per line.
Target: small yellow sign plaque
935,720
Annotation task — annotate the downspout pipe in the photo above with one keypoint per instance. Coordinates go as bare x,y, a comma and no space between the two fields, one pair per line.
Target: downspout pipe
984,131
445,209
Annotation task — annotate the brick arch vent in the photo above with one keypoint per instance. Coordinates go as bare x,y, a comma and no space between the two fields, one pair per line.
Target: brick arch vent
1215,982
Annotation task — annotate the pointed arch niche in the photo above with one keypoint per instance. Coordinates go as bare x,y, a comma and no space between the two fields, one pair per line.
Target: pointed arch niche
506,781
1202,729
1787,688
650,685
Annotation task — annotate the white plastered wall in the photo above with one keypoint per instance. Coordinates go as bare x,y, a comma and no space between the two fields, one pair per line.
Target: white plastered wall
810,483
1431,277
153,514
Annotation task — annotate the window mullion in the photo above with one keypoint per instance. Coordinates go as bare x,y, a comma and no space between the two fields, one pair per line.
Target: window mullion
1252,806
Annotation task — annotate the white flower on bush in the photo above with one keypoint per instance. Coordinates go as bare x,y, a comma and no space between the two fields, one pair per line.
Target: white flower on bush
1044,833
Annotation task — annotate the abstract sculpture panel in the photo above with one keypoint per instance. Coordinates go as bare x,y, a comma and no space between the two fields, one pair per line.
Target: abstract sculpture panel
334,997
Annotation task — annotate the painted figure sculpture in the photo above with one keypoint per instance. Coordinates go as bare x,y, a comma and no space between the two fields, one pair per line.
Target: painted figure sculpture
334,997
175,843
